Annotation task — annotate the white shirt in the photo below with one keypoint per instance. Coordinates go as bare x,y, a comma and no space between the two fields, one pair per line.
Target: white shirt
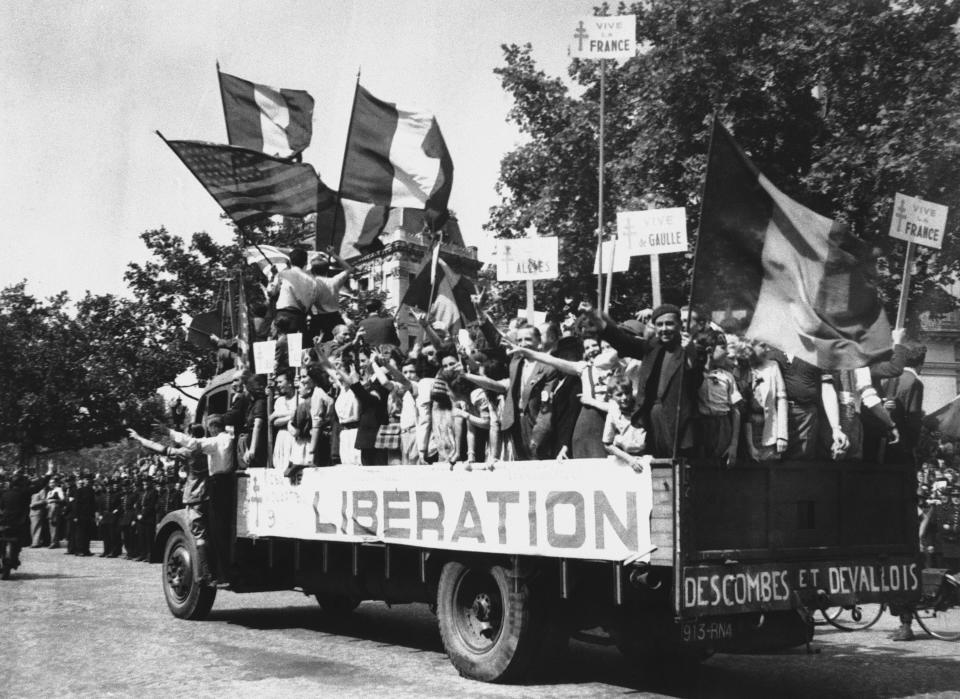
219,450
297,288
327,295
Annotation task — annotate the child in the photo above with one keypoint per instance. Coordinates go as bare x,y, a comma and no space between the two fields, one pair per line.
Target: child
718,425
620,437
766,427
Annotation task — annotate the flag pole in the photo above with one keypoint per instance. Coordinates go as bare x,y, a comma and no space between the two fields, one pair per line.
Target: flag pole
606,302
905,284
603,72
343,169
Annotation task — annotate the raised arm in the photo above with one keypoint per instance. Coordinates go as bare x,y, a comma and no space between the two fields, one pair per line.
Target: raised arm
564,365
486,383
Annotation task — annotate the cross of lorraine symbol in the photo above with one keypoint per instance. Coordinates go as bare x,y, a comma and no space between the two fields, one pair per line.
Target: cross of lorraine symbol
580,35
901,214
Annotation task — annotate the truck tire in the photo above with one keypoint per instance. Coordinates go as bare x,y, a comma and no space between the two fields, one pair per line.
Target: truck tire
186,598
491,626
337,606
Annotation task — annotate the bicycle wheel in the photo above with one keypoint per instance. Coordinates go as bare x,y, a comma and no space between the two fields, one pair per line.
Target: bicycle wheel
940,616
828,613
857,617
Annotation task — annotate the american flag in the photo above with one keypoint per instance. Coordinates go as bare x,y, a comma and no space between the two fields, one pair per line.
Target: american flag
250,185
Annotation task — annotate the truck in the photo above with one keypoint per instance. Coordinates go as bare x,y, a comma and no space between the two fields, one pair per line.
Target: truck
675,563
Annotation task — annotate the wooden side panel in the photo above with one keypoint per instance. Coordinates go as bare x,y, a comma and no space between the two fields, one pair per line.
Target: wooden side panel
661,517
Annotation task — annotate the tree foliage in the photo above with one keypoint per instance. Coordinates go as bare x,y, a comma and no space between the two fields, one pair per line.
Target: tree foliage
73,375
840,104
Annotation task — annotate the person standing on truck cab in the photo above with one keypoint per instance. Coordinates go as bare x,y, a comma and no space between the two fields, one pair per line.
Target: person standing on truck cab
670,375
295,289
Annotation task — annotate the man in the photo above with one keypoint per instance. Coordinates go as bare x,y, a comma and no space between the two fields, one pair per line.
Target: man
294,289
904,401
84,513
326,300
670,375
377,329
196,491
527,405
38,519
218,448
112,502
147,516
55,511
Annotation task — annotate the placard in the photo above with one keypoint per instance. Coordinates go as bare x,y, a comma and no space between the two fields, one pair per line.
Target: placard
264,356
615,252
605,37
294,349
918,221
519,259
654,231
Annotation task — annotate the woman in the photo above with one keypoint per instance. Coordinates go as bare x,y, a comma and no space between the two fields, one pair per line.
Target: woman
284,406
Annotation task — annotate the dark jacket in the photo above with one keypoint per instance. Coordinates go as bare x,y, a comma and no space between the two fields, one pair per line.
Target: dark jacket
373,413
531,424
658,401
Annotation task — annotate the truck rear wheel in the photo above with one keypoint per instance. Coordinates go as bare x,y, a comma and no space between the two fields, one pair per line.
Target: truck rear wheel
186,598
489,622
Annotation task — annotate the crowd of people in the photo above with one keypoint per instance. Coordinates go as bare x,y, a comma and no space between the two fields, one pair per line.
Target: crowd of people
663,383
69,510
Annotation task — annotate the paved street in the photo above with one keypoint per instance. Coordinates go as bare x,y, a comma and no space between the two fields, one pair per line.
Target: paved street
100,627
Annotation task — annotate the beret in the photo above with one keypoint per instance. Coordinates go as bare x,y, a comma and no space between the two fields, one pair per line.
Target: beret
663,309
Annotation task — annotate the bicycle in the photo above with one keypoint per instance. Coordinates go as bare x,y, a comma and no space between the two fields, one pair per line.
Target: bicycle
938,611
858,616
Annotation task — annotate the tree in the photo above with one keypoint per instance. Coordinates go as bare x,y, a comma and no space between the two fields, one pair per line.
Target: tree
73,376
840,104
182,280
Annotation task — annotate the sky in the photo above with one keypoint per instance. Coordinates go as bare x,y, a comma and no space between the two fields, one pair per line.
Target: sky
89,82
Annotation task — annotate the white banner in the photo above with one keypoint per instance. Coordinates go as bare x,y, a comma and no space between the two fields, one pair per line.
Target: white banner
519,259
585,508
918,221
654,231
605,37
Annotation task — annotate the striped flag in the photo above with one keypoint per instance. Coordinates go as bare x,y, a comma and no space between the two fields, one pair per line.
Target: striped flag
250,186
795,279
271,120
396,158
451,304
265,256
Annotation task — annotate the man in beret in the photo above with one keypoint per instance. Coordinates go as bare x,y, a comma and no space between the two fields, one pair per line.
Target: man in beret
670,374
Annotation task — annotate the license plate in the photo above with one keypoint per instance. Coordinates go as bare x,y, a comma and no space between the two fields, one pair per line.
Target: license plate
705,631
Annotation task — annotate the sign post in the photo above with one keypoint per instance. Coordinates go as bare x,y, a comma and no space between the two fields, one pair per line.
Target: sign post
600,38
918,222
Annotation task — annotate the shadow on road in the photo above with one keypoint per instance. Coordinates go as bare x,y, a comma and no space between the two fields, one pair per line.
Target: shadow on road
861,670
15,576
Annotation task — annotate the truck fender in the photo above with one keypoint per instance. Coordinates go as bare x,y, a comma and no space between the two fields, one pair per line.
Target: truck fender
173,521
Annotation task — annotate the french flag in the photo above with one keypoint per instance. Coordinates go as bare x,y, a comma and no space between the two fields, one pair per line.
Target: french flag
396,158
275,121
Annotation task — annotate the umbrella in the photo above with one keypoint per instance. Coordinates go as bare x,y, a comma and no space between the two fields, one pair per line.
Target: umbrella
945,420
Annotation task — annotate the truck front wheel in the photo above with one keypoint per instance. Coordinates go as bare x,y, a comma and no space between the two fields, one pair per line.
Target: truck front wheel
489,623
186,597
